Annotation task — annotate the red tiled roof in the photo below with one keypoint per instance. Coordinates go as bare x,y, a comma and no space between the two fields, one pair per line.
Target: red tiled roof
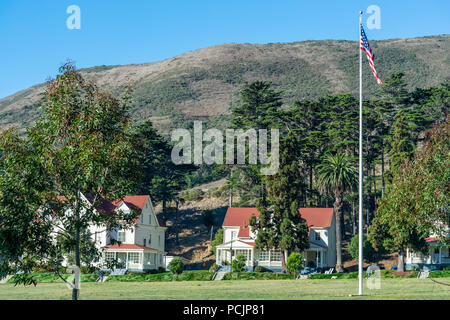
126,246
239,217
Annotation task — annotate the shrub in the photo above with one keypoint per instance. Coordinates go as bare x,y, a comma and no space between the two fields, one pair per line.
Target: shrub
218,239
214,267
176,266
161,269
311,264
294,263
260,269
369,252
238,264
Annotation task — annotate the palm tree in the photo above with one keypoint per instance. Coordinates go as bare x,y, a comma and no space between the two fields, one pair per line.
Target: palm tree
337,174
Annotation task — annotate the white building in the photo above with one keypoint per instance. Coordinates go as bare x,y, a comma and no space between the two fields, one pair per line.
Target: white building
239,239
438,256
142,245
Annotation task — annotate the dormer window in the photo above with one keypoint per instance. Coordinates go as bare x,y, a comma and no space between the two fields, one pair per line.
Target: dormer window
317,236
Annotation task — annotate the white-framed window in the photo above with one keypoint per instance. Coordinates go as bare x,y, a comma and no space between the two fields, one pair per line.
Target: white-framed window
150,219
134,257
145,242
245,253
110,256
233,235
159,239
317,235
264,255
150,239
121,236
147,259
275,255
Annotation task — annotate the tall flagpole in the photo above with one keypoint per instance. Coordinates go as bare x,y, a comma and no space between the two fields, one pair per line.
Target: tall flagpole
360,258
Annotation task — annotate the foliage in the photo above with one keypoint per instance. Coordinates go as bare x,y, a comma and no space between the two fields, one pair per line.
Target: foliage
176,266
369,253
218,240
416,203
294,263
281,226
214,267
260,269
238,264
77,154
338,174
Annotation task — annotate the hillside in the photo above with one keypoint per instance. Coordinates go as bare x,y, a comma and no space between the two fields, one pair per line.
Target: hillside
204,84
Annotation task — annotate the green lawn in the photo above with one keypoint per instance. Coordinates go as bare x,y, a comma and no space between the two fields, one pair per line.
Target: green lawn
242,289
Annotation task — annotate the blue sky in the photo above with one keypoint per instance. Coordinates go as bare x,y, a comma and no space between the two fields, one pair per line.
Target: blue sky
35,40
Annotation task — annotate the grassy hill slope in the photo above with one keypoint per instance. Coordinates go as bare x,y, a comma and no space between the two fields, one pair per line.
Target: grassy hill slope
204,84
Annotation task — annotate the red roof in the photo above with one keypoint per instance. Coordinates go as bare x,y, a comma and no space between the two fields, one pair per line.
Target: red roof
126,246
317,217
239,217
134,201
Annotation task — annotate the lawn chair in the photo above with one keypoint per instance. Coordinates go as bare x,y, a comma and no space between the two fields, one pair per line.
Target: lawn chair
329,271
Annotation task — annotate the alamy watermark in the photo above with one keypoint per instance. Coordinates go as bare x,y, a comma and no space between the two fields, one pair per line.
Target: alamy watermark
74,20
256,140
374,20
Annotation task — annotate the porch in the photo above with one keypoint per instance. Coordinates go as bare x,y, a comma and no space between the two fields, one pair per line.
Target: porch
133,260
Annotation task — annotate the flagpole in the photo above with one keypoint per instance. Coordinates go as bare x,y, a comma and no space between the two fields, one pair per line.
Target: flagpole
360,257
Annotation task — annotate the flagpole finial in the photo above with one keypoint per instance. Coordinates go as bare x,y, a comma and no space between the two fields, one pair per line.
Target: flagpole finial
360,12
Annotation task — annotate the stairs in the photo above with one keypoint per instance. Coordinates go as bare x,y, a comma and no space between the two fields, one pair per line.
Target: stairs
5,279
219,275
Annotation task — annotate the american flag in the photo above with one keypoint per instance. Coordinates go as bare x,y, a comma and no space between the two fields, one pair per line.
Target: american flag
370,56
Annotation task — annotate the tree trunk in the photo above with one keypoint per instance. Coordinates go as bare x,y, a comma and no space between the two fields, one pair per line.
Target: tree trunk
353,219
382,173
401,260
283,262
75,290
338,215
177,225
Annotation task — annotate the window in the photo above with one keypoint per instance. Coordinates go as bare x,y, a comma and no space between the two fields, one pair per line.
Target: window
245,253
233,235
110,256
264,255
159,239
317,235
150,239
275,255
150,219
134,257
145,242
121,236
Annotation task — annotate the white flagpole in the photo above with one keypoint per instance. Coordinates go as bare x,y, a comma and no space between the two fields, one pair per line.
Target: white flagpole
360,258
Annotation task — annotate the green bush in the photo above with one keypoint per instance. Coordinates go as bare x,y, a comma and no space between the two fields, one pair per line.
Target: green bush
218,240
176,266
259,276
214,267
294,263
369,252
238,264
260,269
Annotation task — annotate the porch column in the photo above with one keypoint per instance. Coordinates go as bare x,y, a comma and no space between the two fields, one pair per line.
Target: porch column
126,261
440,255
317,258
321,258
